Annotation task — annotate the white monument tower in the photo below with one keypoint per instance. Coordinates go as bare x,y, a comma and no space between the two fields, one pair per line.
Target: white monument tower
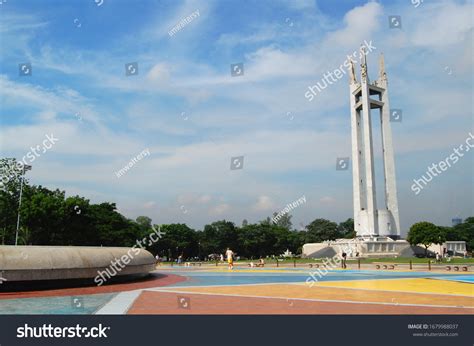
378,229
369,220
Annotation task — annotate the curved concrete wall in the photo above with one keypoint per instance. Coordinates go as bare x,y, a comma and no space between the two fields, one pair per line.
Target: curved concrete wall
23,263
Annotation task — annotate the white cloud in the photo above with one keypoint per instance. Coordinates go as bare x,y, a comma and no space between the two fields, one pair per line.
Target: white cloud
454,24
204,199
160,26
159,73
49,101
149,205
360,24
219,209
14,23
245,115
264,203
269,62
327,200
301,4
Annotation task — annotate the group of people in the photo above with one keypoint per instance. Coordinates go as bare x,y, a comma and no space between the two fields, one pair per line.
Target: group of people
229,254
445,255
439,257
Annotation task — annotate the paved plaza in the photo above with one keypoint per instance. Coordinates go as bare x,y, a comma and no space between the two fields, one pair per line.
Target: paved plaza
215,290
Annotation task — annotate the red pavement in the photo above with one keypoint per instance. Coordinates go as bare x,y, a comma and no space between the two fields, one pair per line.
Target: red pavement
198,304
154,280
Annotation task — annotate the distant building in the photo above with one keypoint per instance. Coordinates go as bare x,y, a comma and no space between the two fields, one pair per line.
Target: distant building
456,221
450,248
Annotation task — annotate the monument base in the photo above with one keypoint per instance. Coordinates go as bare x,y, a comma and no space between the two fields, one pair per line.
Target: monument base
362,246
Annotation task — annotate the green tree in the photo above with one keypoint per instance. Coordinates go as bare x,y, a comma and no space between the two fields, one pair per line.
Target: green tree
250,238
218,236
425,233
43,213
284,240
49,218
178,239
296,241
463,231
11,172
261,240
112,227
346,229
10,180
256,240
284,221
320,230
144,221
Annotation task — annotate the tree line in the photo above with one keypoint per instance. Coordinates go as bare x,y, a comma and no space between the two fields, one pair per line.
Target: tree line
426,233
50,218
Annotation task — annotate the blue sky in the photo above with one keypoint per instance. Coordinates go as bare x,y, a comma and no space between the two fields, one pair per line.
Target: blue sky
193,116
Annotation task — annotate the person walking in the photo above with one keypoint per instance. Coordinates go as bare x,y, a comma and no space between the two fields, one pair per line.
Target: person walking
230,258
344,256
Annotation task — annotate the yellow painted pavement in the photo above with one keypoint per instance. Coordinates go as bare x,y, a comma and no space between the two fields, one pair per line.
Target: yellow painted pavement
327,293
406,285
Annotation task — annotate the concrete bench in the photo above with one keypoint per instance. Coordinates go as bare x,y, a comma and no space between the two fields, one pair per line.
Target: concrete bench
385,266
457,268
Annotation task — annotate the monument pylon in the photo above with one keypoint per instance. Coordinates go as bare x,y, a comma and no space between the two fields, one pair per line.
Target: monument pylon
369,220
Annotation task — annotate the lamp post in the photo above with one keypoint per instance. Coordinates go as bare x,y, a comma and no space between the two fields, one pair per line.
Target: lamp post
25,168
